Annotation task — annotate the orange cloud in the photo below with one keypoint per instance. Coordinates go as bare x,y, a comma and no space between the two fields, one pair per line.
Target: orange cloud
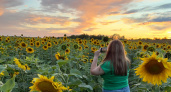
106,23
94,9
1,11
36,19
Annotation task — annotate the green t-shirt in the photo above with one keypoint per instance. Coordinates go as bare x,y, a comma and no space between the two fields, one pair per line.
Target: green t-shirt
112,81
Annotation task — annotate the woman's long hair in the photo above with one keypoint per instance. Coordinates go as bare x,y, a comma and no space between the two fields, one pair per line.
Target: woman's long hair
116,54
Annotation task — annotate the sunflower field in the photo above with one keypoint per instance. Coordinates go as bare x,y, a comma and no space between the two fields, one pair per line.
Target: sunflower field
50,64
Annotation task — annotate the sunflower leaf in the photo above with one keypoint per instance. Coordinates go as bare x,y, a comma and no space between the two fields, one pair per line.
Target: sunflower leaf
9,85
2,68
75,72
84,86
62,62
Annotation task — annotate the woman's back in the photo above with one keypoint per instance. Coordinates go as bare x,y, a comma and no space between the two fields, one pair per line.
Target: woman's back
111,80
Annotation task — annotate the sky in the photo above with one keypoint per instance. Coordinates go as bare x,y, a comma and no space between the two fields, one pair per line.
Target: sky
129,18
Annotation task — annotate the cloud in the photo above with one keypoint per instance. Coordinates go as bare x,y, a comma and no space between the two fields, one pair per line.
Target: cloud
159,27
9,19
1,11
164,6
24,22
36,19
161,19
90,29
108,22
149,18
87,10
147,8
117,29
8,3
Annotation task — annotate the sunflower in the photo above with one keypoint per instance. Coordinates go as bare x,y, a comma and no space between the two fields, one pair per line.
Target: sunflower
154,70
125,41
80,42
2,73
91,60
157,53
64,38
94,42
37,43
164,44
29,50
80,48
86,47
92,39
102,45
63,47
23,44
55,42
158,46
44,39
76,46
164,48
134,47
152,49
140,43
57,55
107,43
130,47
85,41
7,41
31,40
67,51
0,39
169,47
24,67
154,44
31,44
68,45
43,42
85,60
167,55
44,84
49,44
45,47
98,43
145,47
93,49
27,67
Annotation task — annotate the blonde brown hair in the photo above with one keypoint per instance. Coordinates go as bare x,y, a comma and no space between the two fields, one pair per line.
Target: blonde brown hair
116,54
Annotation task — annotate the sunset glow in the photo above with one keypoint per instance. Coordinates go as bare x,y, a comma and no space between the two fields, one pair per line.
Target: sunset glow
129,18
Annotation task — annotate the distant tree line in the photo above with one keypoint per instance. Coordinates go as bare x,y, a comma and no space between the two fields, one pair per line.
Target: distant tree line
86,36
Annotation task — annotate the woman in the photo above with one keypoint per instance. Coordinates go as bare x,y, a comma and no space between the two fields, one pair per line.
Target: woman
114,69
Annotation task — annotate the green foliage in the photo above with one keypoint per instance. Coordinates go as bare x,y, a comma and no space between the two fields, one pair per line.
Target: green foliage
9,85
72,72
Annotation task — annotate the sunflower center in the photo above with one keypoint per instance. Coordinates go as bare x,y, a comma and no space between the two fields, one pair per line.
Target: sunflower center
23,44
46,86
67,50
154,67
146,46
29,49
45,46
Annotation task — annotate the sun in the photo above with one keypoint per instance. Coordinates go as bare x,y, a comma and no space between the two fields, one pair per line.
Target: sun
169,33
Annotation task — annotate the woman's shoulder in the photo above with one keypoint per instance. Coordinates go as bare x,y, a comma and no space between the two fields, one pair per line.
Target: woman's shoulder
106,63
